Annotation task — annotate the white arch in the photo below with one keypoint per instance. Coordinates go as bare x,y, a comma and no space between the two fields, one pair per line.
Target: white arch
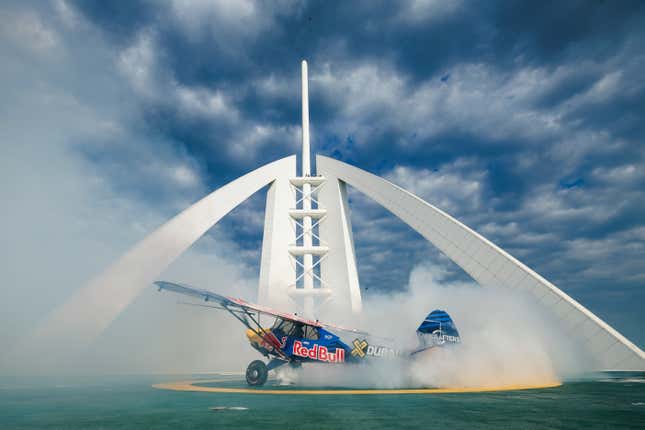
490,265
95,305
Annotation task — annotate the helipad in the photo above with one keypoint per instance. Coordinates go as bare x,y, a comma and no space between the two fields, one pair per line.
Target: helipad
197,385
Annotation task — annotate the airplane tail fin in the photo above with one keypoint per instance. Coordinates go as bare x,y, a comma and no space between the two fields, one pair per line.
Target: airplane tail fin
437,329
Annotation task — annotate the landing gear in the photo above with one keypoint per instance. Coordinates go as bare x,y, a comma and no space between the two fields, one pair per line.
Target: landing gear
256,373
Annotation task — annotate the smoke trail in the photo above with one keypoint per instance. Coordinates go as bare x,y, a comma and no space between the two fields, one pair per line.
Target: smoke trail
506,340
92,308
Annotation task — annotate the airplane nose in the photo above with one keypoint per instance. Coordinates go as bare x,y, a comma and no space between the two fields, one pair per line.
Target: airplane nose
251,335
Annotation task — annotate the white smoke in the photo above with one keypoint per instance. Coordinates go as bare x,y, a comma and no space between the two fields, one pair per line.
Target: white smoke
507,340
156,333
64,220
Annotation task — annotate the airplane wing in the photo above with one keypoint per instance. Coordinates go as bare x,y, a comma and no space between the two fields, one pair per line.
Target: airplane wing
232,304
193,292
229,303
345,329
236,307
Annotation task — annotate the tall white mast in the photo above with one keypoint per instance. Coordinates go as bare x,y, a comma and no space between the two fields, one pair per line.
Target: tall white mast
308,216
308,279
306,156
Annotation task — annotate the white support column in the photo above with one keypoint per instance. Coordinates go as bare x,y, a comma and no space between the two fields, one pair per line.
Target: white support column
276,269
339,268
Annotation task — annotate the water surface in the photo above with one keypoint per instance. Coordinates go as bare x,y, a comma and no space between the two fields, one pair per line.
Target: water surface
603,402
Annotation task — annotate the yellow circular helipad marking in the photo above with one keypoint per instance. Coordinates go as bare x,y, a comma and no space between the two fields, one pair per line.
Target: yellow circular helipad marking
189,386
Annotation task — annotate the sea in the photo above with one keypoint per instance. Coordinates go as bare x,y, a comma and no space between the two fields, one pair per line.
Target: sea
600,401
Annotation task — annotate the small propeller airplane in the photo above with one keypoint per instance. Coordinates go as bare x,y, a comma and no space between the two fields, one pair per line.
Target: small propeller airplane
294,340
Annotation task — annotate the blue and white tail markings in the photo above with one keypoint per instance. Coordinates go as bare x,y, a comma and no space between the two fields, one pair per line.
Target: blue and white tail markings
437,329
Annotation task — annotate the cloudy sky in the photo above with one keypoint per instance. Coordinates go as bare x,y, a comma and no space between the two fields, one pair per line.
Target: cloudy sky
522,119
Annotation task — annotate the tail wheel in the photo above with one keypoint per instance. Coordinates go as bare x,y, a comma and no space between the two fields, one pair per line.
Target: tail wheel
257,373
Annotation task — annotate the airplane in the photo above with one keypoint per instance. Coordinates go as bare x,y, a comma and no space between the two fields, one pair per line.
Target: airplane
295,340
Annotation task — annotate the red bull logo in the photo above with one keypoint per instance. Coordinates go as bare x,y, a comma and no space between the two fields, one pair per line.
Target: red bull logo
319,352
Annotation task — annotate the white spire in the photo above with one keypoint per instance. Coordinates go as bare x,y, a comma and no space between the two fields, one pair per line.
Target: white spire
308,280
306,157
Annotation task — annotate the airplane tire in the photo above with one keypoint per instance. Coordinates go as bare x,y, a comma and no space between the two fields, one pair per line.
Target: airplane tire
257,373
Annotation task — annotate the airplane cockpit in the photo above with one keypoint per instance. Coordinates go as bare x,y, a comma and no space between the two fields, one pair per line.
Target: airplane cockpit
295,329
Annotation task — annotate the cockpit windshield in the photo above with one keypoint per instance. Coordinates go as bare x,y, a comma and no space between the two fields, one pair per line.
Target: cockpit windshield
295,329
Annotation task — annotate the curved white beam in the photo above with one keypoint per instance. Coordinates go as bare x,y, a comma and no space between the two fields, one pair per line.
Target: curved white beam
490,265
94,306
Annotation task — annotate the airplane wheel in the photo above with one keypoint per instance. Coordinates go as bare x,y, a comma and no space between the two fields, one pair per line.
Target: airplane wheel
256,373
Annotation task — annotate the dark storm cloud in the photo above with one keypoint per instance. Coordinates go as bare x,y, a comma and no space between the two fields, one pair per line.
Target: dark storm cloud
523,119
120,21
